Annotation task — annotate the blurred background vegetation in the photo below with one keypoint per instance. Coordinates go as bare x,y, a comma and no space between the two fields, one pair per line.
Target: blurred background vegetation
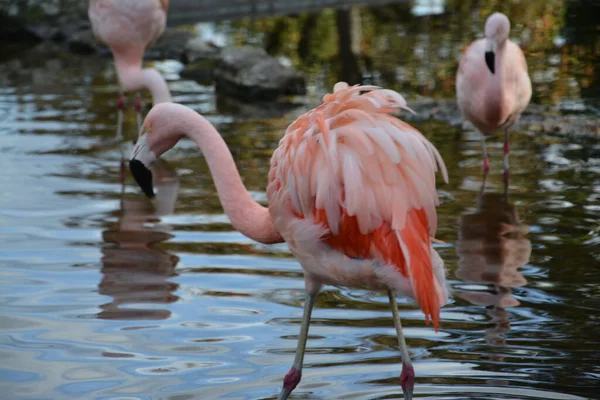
414,47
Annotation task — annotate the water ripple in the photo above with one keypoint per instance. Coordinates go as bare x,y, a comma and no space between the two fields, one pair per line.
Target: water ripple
108,295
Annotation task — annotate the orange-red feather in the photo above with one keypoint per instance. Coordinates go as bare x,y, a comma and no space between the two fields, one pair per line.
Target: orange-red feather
382,243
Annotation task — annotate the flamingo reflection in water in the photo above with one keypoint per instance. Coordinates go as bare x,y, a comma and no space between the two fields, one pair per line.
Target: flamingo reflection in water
491,247
134,271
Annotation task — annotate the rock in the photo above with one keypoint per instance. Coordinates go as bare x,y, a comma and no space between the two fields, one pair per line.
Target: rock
250,73
41,18
200,56
535,118
170,45
200,49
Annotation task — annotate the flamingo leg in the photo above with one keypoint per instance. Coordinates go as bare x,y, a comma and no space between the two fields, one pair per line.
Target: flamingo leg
292,378
506,154
122,174
486,161
407,377
138,109
120,108
481,190
122,170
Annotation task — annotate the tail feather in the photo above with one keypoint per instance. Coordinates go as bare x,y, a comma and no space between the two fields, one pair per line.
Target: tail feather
409,251
415,237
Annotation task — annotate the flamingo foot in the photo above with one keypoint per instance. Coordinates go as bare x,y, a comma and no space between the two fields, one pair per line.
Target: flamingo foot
291,380
407,380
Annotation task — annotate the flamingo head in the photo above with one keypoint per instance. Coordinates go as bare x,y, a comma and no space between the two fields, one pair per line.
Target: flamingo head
159,133
497,28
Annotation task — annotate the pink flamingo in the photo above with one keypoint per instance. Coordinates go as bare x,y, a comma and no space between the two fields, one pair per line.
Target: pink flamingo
492,84
129,28
351,190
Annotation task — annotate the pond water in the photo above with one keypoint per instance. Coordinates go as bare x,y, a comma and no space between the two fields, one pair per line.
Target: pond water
106,295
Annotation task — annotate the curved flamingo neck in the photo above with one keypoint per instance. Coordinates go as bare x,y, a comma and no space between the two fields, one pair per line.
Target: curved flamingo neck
246,215
133,78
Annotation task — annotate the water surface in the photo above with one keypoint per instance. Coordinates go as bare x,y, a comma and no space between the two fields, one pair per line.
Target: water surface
106,295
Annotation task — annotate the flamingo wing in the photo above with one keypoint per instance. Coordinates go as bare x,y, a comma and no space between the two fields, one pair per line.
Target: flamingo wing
369,179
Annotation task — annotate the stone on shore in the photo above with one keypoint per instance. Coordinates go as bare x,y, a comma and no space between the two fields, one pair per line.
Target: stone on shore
42,19
535,118
250,73
198,49
170,45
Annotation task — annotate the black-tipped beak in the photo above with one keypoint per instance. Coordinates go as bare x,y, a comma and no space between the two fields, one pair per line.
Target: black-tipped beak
490,58
143,176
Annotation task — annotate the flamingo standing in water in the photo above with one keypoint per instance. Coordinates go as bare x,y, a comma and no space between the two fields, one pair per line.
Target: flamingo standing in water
492,84
129,28
351,190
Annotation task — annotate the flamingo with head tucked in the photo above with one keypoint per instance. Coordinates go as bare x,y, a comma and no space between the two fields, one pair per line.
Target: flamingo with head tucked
351,190
129,28
492,84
